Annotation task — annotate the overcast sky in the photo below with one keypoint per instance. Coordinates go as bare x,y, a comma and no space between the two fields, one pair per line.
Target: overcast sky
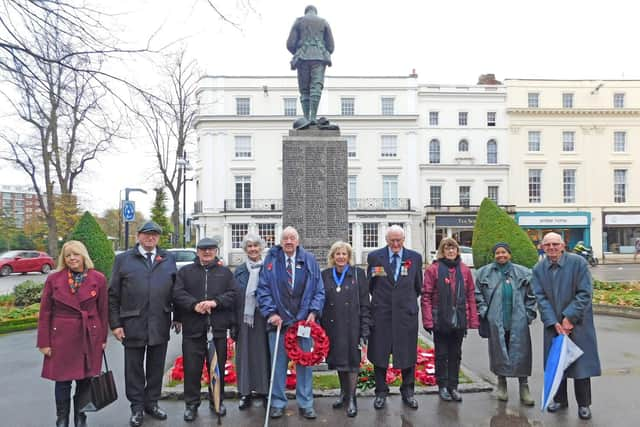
444,41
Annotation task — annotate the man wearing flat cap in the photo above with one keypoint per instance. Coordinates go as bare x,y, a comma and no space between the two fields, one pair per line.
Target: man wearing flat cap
204,296
140,308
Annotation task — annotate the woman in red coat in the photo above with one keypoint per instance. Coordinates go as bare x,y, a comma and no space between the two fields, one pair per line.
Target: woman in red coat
72,329
448,310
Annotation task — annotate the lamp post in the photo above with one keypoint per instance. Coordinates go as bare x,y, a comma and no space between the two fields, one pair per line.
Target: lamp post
126,223
184,165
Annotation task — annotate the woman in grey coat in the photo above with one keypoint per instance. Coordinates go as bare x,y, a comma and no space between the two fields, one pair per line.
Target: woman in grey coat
252,348
505,298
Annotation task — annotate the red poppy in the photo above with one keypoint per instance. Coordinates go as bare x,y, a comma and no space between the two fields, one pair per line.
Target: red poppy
93,293
407,264
158,258
270,266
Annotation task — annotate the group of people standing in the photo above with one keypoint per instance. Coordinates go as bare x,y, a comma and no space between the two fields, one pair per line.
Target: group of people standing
377,307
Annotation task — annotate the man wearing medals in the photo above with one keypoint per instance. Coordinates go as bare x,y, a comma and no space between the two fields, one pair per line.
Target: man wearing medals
395,284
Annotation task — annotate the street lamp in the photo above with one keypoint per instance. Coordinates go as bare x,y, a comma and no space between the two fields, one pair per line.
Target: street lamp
126,223
184,165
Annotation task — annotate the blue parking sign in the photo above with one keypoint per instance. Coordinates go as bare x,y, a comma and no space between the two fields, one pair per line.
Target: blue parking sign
128,210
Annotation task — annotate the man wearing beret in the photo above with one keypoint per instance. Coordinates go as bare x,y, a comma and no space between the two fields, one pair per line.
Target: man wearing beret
140,306
204,296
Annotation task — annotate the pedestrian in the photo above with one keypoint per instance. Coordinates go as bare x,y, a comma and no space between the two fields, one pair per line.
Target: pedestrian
563,288
346,320
204,295
310,42
637,249
395,283
290,289
252,345
72,328
448,310
505,299
140,307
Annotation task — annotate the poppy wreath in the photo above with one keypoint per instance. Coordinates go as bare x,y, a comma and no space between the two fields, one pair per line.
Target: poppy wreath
319,350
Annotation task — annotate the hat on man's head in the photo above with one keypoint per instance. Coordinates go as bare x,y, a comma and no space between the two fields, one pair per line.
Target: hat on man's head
150,227
208,242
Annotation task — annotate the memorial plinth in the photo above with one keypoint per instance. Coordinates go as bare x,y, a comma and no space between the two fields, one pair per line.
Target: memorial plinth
314,188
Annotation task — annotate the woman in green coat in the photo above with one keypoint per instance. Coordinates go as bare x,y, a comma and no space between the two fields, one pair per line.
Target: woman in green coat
505,299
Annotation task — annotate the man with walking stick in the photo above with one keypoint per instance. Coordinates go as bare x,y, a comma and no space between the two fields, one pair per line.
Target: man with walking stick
290,289
204,295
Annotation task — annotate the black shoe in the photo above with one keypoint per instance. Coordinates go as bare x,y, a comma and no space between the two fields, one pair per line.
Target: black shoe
308,413
455,395
352,407
245,402
444,394
136,419
379,401
410,401
556,406
156,412
190,413
339,403
276,412
584,412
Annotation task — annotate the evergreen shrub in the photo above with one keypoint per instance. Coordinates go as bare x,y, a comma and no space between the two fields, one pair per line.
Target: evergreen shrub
100,250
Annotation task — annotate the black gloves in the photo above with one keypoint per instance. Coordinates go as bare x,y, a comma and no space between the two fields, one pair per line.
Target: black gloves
429,330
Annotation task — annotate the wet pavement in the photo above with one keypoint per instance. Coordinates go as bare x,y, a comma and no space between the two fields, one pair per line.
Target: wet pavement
28,399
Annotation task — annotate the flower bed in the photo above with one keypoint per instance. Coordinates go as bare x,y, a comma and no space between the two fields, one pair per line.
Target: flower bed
177,370
619,294
14,318
425,371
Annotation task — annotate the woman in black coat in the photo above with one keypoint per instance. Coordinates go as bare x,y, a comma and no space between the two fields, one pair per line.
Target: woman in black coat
252,347
346,319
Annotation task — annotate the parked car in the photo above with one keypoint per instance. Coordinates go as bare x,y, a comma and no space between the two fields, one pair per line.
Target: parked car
183,256
466,255
25,262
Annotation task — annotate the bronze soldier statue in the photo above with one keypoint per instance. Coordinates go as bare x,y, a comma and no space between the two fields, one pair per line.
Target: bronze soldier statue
311,43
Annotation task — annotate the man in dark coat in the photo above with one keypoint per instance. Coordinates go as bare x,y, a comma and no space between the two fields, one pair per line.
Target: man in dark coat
140,318
204,296
563,287
395,283
290,289
311,44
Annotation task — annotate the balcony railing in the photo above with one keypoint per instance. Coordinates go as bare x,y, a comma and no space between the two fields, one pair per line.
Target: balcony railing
389,204
253,205
197,207
510,209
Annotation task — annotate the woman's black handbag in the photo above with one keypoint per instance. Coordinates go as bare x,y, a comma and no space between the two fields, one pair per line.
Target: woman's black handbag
484,330
99,392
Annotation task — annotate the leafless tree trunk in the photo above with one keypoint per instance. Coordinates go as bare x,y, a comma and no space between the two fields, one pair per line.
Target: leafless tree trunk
167,117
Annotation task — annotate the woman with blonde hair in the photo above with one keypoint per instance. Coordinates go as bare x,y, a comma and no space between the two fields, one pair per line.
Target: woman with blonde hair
346,319
448,310
72,327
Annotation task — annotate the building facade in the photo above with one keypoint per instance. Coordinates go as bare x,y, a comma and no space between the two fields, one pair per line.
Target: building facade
20,203
421,156
574,156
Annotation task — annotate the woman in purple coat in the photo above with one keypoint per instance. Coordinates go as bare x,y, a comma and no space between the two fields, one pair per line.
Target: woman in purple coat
72,328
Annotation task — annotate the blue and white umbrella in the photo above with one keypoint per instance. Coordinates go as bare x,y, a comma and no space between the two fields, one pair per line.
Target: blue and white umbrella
563,352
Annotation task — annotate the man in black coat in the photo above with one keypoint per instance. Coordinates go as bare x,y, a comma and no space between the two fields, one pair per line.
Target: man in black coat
395,283
140,307
204,296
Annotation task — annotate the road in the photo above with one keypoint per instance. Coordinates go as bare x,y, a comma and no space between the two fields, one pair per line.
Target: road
616,272
28,399
7,283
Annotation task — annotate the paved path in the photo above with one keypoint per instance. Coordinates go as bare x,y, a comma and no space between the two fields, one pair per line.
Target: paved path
28,399
616,272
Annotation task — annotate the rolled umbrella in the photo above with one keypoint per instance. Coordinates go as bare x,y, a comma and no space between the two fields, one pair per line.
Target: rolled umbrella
273,370
214,373
563,352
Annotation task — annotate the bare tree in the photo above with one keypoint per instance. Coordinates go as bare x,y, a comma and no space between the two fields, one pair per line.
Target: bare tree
63,112
167,117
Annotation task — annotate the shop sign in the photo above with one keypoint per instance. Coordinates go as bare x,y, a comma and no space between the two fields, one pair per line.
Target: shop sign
455,220
553,220
620,219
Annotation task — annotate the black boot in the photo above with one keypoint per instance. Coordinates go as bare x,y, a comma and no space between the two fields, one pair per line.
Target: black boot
339,403
62,412
79,418
352,408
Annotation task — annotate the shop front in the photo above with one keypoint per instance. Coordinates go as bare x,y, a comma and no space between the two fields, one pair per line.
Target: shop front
572,226
620,232
460,227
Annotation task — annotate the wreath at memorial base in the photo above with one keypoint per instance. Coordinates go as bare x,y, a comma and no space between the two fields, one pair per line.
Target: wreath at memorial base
319,349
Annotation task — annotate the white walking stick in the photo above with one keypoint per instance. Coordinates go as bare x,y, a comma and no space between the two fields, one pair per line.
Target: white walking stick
273,371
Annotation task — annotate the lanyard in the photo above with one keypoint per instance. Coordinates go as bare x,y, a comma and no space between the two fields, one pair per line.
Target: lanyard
341,279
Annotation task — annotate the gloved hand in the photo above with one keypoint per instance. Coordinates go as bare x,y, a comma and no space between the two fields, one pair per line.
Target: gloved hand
364,341
429,330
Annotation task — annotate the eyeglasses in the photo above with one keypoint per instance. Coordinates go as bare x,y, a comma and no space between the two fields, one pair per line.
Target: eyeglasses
552,244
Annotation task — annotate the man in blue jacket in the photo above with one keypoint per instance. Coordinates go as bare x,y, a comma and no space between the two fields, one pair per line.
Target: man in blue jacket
290,289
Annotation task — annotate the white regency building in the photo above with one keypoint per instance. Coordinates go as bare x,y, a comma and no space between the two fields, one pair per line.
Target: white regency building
420,155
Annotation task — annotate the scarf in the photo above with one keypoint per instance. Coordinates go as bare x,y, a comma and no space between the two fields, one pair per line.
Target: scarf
507,294
452,309
250,294
75,279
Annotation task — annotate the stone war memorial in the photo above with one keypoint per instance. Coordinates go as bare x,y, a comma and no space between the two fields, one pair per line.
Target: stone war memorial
314,155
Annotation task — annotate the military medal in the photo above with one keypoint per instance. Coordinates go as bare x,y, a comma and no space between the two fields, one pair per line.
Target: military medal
404,271
341,278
